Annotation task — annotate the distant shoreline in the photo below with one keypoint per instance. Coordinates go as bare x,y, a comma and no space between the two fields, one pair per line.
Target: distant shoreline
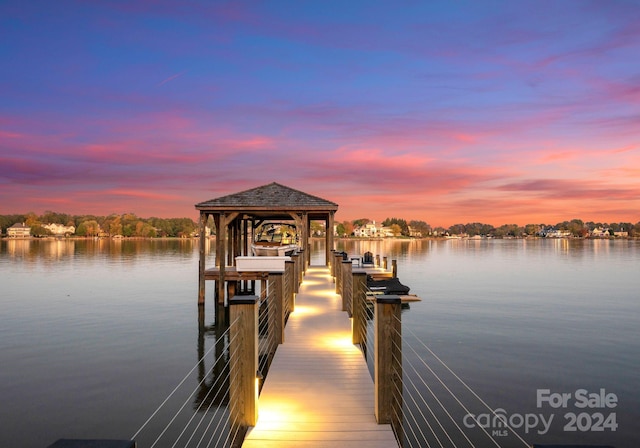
345,238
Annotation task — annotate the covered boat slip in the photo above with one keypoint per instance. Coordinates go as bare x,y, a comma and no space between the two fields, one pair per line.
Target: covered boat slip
236,215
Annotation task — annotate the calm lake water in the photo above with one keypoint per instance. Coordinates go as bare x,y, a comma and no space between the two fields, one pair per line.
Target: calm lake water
95,334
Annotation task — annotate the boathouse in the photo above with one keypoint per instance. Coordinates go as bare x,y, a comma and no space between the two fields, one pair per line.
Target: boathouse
236,216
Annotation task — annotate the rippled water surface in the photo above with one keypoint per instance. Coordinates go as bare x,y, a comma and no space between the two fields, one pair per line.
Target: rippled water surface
95,334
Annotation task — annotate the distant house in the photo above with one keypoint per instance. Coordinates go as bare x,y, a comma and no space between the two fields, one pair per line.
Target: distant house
371,230
19,230
600,232
386,232
59,229
367,230
415,232
554,233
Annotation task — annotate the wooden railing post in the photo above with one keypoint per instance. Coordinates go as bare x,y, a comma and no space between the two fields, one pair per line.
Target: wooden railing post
377,260
276,300
394,268
384,263
339,265
289,272
388,359
243,353
296,272
331,262
337,260
347,285
303,260
359,318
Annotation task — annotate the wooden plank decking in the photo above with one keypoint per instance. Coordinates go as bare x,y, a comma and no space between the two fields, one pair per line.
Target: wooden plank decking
318,392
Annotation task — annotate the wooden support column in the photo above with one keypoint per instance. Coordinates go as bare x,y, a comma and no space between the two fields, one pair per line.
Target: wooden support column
347,285
388,358
307,246
394,268
230,242
243,353
384,263
377,260
201,265
329,238
221,232
245,237
276,300
359,318
303,219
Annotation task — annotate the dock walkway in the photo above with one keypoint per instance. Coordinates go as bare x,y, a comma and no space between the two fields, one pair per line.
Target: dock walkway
318,392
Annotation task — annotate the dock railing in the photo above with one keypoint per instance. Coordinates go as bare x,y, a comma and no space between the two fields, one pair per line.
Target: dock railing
406,385
227,393
425,401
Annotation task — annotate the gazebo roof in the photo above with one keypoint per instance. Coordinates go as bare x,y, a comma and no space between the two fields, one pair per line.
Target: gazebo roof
267,199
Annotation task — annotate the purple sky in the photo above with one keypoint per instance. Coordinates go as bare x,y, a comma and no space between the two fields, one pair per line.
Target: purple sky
492,111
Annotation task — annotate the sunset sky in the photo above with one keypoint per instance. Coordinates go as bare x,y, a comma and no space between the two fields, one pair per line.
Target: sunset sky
443,111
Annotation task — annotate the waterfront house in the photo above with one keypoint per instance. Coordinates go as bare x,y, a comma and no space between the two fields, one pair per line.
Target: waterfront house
60,230
368,230
371,230
554,233
600,232
19,230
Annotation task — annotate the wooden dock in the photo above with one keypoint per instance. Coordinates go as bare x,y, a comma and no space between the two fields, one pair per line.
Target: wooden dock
318,392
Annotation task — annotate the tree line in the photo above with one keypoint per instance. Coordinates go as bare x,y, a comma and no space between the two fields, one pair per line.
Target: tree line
575,227
130,225
127,224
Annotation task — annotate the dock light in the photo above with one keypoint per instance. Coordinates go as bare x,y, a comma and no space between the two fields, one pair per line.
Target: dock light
259,382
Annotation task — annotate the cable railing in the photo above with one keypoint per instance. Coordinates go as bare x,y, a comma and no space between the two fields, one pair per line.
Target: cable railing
426,403
431,405
215,418
182,427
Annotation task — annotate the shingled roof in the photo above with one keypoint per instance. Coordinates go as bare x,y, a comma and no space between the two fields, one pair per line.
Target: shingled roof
272,196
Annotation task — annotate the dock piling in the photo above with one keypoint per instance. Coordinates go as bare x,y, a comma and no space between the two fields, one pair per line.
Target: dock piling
243,353
347,286
388,359
276,300
358,309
